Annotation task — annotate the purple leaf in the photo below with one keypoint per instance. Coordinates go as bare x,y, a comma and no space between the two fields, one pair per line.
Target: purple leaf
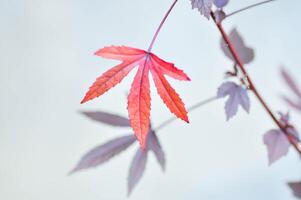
293,104
107,118
155,147
204,6
237,96
137,169
246,54
220,3
296,188
103,153
277,145
290,82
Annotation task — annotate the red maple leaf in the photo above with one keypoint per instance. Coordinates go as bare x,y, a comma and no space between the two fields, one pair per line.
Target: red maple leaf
139,97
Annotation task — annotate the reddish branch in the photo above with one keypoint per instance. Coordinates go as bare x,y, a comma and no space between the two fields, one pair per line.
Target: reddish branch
240,64
234,53
161,24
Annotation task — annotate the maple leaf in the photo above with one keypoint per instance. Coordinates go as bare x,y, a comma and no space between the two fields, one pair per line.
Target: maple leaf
103,153
296,188
204,6
291,83
246,54
139,96
237,96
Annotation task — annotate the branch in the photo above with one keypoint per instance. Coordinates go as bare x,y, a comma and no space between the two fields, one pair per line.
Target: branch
252,86
249,7
160,26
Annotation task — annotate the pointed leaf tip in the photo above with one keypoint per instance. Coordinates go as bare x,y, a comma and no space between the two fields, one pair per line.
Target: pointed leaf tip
155,146
137,169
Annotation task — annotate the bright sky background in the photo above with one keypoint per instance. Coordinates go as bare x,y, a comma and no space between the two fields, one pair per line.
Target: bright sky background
47,64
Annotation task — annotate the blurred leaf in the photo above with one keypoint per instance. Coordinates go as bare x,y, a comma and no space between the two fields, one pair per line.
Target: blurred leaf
246,54
155,146
291,83
237,96
292,104
277,145
204,6
137,169
103,153
296,188
108,118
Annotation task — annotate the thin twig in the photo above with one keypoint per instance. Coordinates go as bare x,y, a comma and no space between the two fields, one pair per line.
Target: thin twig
252,86
190,109
248,7
160,26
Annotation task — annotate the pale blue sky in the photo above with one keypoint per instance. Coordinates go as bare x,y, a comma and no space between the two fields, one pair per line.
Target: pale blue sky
47,64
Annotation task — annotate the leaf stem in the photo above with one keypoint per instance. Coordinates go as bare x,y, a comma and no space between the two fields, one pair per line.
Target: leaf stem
248,7
252,86
160,26
190,109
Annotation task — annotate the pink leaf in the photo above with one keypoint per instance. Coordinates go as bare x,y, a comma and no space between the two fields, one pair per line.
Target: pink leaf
122,53
103,153
137,169
139,97
237,96
277,145
107,118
